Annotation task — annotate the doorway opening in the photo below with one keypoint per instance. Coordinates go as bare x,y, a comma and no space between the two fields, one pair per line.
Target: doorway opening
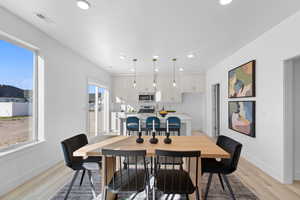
292,120
216,110
98,110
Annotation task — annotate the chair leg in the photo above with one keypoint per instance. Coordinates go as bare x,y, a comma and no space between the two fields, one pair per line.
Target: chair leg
221,181
197,193
187,196
104,195
91,183
82,176
153,193
228,185
208,185
71,185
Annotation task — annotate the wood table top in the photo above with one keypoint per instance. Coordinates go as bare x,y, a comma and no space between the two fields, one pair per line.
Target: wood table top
179,143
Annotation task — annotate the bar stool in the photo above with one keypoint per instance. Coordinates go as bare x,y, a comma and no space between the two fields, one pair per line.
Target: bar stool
174,124
149,124
132,124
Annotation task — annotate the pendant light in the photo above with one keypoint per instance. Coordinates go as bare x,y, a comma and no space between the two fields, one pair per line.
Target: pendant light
134,65
174,78
154,74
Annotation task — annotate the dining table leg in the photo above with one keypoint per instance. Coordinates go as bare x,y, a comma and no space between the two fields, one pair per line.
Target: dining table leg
108,170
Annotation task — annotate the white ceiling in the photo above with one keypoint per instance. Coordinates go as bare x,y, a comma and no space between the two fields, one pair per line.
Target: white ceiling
143,28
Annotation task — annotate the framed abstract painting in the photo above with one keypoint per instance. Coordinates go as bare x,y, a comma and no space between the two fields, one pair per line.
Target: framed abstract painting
241,116
241,81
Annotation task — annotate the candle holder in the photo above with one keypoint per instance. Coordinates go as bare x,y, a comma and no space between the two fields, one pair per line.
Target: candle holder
167,140
140,139
153,140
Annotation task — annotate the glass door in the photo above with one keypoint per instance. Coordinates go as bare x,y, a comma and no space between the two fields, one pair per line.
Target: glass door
98,110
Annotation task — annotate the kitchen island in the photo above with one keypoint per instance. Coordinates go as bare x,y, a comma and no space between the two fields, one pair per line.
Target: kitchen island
186,121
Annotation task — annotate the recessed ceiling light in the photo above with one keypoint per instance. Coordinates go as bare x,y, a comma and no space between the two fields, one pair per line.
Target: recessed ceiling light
156,70
155,57
132,69
225,2
181,69
122,57
83,4
191,55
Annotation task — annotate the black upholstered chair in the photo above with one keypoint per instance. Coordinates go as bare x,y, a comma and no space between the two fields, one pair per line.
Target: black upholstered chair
77,163
225,166
132,179
172,179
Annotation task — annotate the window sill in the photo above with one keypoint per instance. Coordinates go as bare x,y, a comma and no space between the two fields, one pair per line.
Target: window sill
12,150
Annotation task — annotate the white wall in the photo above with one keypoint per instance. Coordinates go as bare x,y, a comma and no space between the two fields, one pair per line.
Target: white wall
270,50
64,90
296,93
192,104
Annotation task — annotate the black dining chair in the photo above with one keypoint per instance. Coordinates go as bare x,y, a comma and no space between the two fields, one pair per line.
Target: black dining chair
171,179
78,163
132,179
225,166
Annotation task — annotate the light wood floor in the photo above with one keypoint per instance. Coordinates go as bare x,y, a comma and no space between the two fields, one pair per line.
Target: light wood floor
265,187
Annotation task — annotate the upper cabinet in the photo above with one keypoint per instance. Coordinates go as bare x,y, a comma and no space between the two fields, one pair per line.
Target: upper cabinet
122,87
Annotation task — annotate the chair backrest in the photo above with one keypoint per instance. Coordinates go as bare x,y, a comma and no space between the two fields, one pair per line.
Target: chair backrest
129,178
166,160
174,122
149,122
132,123
72,144
234,148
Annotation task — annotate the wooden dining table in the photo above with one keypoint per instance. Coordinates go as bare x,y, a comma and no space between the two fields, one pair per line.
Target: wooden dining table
201,143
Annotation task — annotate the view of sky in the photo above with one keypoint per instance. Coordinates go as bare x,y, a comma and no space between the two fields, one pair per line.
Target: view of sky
16,65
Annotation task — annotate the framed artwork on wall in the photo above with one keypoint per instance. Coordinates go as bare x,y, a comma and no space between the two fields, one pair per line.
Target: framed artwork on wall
241,117
241,81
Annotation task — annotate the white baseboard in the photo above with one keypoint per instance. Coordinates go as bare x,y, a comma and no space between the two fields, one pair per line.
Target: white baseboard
267,168
9,186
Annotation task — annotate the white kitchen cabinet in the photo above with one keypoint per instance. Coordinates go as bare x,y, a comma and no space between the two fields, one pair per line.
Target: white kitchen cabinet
186,83
193,83
169,94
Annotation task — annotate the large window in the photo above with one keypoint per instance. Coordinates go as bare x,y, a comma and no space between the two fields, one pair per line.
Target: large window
17,92
98,113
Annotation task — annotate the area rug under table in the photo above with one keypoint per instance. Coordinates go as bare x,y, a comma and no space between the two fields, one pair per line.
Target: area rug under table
215,193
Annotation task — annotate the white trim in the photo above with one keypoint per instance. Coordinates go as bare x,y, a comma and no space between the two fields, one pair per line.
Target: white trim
16,41
36,135
266,167
22,147
288,136
9,186
98,84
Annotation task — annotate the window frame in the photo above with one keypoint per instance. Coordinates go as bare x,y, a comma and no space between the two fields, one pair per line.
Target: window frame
36,137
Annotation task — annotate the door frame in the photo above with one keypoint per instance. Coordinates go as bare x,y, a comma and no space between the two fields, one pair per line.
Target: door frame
288,128
216,112
98,84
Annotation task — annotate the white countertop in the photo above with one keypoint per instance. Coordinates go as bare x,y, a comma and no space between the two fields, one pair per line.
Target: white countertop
143,116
